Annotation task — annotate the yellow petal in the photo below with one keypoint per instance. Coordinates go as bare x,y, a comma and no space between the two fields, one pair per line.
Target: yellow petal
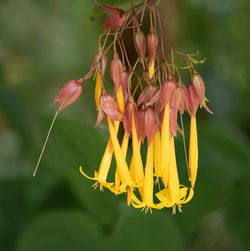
151,69
98,89
120,160
137,161
164,146
164,197
173,179
193,151
148,186
102,183
185,199
156,144
120,99
107,158
124,149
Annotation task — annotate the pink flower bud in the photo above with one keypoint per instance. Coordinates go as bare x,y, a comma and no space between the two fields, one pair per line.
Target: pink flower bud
125,79
68,94
167,91
152,41
147,95
109,108
193,99
140,43
186,99
173,126
199,87
114,21
100,61
150,124
141,124
116,71
127,121
179,100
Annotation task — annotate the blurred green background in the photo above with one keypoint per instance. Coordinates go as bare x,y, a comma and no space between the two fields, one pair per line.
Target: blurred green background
43,44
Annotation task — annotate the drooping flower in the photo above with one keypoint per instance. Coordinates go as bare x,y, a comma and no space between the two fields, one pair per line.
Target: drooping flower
69,93
152,41
116,19
148,101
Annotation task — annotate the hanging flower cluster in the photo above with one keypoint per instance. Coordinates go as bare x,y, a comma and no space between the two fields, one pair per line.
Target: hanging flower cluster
148,102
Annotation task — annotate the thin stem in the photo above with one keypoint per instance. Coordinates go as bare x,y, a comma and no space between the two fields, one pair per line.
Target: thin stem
164,27
125,52
106,38
160,30
115,38
46,140
121,49
143,12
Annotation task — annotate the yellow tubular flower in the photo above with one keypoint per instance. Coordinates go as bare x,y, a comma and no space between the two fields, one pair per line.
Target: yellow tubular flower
156,144
151,69
164,146
133,175
124,148
137,161
120,160
120,98
148,185
173,180
98,89
101,176
193,151
174,194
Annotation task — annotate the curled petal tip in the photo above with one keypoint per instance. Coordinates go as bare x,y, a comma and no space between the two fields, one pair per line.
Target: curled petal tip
109,8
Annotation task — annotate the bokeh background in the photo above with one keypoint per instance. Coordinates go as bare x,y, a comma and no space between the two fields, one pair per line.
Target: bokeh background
43,44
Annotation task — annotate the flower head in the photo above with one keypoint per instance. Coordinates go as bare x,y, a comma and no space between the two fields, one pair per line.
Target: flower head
148,101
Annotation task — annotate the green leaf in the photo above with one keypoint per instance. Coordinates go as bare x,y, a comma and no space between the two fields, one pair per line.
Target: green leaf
146,232
237,210
15,112
61,230
82,145
223,160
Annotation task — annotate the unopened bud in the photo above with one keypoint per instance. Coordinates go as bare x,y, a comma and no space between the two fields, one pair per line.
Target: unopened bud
109,108
116,19
140,43
128,113
152,41
199,87
147,95
167,91
179,100
116,71
141,124
125,79
150,124
68,94
193,99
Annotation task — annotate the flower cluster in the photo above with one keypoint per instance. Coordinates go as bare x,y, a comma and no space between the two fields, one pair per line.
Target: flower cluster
147,105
